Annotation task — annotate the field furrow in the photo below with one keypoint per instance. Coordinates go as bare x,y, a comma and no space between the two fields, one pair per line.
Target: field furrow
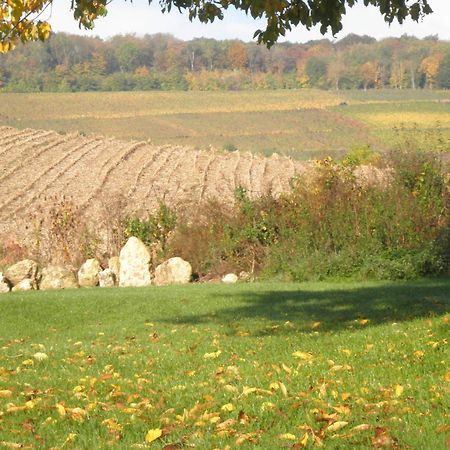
91,170
36,189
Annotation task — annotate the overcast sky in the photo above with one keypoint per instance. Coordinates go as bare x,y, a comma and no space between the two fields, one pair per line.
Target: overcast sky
138,17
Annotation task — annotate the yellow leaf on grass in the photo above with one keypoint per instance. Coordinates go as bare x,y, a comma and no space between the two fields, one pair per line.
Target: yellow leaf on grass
398,390
363,321
287,436
152,435
227,407
342,409
303,355
283,389
267,405
13,445
303,441
40,356
315,325
248,390
212,355
61,410
337,425
418,354
79,414
5,393
339,367
362,427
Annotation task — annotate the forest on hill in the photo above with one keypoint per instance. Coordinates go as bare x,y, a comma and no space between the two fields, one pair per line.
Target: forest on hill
70,63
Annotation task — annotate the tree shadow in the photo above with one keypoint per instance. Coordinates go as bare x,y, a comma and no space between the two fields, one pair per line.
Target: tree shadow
337,308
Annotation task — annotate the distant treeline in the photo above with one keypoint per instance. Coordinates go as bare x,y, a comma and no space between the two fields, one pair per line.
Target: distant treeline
161,62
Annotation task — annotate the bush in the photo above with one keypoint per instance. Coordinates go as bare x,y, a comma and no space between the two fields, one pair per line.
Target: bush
333,225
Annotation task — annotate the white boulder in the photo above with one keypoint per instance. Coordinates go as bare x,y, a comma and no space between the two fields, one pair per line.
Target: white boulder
106,278
24,285
26,269
173,271
4,284
88,273
229,278
134,264
58,277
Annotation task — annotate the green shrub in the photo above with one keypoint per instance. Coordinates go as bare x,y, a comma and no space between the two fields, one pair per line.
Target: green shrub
155,229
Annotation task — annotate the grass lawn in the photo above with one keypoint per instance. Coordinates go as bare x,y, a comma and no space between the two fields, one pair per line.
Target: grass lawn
270,366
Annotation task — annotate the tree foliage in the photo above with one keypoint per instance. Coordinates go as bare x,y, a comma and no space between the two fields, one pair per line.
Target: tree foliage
79,63
20,19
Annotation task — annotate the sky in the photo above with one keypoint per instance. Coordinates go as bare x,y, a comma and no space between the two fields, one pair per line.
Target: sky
125,17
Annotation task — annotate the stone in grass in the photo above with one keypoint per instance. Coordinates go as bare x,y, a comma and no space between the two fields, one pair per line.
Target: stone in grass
173,271
106,278
88,273
24,285
4,284
229,278
25,269
114,265
58,277
134,264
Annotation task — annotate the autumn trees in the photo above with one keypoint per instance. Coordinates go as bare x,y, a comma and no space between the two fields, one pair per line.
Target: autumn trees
20,20
74,63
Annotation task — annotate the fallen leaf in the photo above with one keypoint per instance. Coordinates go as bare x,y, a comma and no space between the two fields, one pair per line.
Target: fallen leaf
287,436
40,356
398,390
5,393
212,355
337,425
362,427
303,355
61,410
227,407
153,434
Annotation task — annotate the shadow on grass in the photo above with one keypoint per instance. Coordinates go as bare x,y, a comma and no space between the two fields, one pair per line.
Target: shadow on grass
335,309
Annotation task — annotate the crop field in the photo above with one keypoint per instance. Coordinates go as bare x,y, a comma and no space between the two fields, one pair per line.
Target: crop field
261,365
300,123
38,164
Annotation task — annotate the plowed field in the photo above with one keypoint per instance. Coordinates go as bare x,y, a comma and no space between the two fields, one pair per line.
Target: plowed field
37,164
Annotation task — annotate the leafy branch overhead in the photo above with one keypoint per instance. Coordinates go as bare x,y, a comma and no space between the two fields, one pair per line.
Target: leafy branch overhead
27,20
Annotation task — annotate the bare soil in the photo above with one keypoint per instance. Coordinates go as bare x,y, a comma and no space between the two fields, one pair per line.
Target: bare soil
38,164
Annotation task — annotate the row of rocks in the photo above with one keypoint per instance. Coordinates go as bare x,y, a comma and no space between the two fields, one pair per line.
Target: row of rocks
130,268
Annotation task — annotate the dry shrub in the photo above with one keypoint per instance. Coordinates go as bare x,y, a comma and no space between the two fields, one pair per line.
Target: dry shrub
60,232
111,214
11,251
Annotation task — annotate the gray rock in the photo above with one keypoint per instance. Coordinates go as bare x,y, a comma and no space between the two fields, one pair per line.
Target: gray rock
88,273
134,264
26,269
58,277
173,271
106,278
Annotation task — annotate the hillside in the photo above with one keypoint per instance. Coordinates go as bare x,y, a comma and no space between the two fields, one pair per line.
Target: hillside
38,164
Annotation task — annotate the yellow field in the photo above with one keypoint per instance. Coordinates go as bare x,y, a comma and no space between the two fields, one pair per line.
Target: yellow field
299,123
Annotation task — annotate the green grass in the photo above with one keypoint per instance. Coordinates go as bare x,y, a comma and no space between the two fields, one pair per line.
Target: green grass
301,123
132,360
